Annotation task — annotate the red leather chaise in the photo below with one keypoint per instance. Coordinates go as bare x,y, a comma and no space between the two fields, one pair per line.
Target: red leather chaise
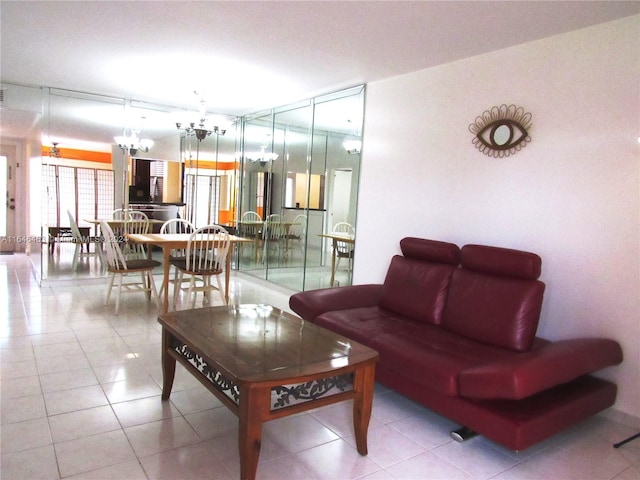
456,332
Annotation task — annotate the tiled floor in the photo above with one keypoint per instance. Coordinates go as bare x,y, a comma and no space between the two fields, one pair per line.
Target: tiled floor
80,398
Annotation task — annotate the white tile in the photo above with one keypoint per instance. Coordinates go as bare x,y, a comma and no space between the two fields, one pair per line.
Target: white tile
35,464
388,446
25,435
133,389
427,429
213,422
75,399
67,380
20,387
427,465
190,462
475,457
194,400
90,453
82,423
336,460
144,410
161,436
131,470
299,432
23,408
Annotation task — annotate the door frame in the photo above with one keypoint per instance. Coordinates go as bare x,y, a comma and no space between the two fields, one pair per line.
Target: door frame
8,242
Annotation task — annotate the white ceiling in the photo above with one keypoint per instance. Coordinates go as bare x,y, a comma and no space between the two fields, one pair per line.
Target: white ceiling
244,56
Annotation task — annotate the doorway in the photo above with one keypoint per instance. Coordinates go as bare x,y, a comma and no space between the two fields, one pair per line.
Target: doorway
7,212
340,200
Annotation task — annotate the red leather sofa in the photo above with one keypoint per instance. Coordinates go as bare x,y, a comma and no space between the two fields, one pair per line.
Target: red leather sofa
456,332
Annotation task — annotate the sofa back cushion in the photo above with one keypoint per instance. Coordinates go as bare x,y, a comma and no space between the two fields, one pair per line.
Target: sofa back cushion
416,284
495,297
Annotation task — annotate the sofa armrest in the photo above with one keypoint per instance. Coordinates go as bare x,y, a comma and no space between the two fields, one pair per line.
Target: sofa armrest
312,303
546,365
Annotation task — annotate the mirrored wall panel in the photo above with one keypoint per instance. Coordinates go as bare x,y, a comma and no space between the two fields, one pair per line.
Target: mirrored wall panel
301,167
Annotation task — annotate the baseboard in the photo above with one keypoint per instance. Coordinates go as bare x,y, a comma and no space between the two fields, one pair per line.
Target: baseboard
621,417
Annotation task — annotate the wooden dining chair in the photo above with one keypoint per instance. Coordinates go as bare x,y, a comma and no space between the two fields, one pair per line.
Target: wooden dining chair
297,233
118,266
176,226
205,257
137,222
273,235
82,241
251,226
344,249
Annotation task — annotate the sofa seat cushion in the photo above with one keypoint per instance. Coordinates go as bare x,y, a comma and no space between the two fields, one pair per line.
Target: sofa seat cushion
360,324
433,357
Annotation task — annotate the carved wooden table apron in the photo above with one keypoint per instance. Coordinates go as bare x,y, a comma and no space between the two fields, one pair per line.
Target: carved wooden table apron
264,364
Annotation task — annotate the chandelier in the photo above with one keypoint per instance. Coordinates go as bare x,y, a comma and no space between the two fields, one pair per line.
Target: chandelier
201,131
133,143
262,157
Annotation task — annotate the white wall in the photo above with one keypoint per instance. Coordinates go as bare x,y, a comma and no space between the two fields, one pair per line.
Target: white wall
571,195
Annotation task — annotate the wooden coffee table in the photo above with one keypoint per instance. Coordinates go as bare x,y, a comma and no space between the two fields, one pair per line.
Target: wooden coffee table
264,364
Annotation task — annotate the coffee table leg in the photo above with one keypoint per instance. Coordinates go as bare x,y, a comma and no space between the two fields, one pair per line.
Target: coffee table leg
362,404
254,403
168,365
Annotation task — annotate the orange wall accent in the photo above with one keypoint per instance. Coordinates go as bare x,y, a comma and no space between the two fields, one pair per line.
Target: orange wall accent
225,217
74,154
212,165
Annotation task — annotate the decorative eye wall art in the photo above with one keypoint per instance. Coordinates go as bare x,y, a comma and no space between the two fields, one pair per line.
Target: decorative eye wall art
501,131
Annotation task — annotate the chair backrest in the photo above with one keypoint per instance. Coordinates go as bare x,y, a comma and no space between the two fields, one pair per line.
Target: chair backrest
299,227
75,231
115,257
137,215
127,214
250,224
177,225
346,229
119,214
274,227
207,249
251,217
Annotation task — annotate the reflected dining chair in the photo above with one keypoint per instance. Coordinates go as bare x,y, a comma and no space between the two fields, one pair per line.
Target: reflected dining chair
118,266
176,226
344,249
205,257
81,241
296,233
273,235
250,226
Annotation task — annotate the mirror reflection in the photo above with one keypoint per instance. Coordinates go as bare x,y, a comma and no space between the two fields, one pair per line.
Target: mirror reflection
283,178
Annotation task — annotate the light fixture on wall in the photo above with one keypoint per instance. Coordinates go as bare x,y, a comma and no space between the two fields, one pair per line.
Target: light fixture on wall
352,146
133,143
55,151
262,157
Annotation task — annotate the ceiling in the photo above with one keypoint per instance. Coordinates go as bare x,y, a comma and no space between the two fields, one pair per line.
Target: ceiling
241,57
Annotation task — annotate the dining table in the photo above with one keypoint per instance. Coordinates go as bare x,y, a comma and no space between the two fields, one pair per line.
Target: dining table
171,241
335,238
